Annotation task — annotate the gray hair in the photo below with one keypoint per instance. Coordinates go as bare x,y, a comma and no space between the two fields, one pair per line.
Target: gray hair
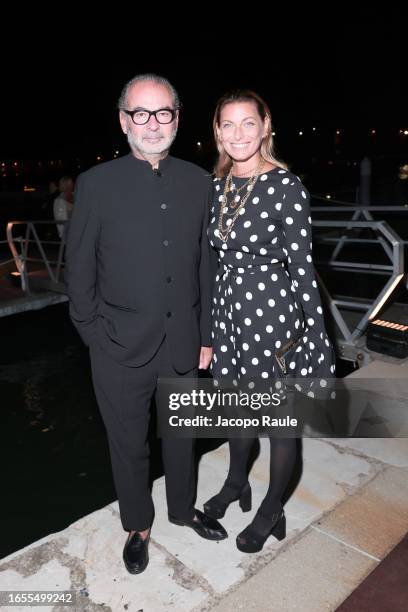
154,78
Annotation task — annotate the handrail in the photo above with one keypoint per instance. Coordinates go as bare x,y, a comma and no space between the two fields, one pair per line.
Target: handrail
21,259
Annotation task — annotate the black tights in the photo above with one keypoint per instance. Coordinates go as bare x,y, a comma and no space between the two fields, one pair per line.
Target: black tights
282,461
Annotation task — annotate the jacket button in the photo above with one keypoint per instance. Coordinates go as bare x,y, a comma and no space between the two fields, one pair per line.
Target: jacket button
163,206
169,279
165,242
168,315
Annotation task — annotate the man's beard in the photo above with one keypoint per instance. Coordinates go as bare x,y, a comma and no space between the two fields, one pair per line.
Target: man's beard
154,149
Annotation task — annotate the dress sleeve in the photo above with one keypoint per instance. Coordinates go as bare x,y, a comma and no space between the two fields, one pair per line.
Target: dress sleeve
297,231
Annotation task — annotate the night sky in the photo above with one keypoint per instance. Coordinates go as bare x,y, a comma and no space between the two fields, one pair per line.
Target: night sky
343,69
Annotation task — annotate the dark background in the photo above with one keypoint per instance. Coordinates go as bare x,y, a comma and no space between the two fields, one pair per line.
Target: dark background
337,68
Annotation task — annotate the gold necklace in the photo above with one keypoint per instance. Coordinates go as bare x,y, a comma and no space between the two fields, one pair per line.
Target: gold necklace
225,232
243,173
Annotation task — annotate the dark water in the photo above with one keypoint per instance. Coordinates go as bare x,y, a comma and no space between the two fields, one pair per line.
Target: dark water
54,456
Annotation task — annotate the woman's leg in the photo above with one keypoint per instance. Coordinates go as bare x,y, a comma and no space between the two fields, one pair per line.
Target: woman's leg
282,462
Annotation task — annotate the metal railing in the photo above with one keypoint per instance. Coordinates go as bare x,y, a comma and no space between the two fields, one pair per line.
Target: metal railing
20,245
386,237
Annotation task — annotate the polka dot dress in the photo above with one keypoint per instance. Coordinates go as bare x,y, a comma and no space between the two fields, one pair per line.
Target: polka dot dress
265,291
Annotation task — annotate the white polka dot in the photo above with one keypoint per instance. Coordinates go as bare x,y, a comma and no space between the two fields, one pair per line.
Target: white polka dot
247,224
257,337
303,232
237,306
223,348
301,271
238,280
264,215
261,286
309,258
289,220
224,371
229,221
245,346
255,200
278,206
263,251
271,190
271,228
245,248
253,238
259,312
264,374
303,371
274,277
283,292
254,361
278,343
263,177
310,321
292,365
269,329
298,207
248,295
306,297
233,235
319,310
247,321
267,353
271,303
304,195
294,246
282,318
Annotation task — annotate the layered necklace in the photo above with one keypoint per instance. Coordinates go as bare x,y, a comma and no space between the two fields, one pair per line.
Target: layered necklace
233,208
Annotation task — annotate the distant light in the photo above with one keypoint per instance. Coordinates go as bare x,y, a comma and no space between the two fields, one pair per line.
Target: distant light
98,158
328,196
3,164
29,188
116,152
15,164
373,132
300,133
330,162
273,133
405,132
198,144
337,132
314,129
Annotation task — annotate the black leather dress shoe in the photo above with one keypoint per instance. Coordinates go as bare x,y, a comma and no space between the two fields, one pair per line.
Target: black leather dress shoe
204,526
136,553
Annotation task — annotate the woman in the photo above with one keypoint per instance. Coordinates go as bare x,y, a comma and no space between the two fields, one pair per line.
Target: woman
265,295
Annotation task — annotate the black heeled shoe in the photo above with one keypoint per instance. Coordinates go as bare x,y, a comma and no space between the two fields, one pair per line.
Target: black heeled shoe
217,505
253,538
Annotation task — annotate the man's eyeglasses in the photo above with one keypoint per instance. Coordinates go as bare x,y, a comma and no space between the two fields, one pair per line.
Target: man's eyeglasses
140,116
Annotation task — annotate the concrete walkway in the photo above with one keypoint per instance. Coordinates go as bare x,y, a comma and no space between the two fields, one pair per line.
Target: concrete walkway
349,508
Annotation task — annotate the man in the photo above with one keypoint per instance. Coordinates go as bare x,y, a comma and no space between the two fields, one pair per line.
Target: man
139,282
